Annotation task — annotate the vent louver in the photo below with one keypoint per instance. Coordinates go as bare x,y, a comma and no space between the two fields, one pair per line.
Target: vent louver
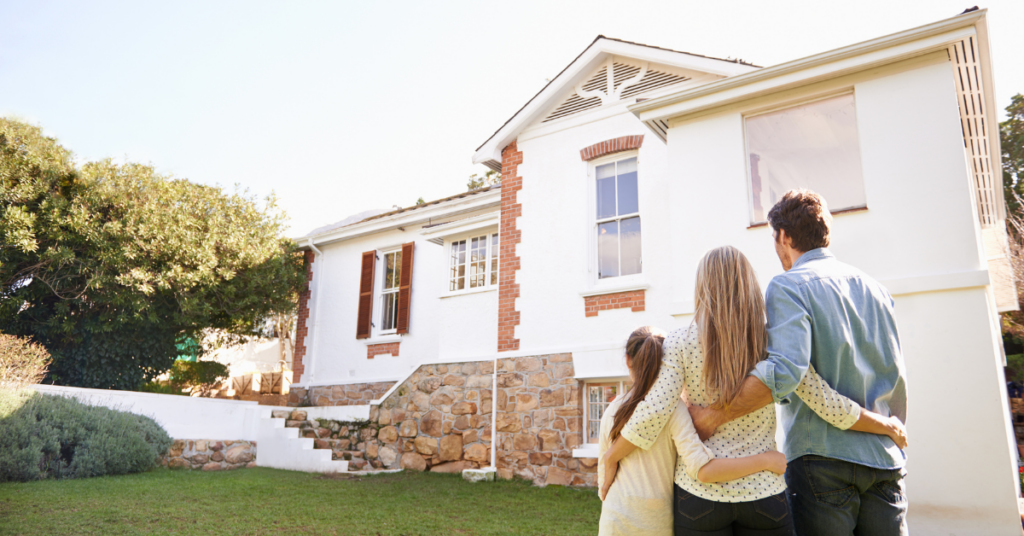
621,73
972,120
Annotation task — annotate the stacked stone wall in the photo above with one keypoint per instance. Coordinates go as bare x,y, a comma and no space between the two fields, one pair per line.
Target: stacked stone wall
210,455
540,421
352,394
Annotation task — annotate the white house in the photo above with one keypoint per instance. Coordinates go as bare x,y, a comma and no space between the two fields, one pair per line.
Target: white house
616,178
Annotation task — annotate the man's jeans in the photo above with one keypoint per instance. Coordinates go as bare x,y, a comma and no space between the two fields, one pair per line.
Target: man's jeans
841,498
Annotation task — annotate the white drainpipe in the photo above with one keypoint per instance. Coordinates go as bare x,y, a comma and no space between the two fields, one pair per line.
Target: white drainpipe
494,417
316,314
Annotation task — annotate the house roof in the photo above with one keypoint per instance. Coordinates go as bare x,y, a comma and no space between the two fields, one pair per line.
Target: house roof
465,202
489,152
434,202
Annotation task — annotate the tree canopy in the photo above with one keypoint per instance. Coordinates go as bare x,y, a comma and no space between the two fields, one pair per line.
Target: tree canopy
107,264
1011,138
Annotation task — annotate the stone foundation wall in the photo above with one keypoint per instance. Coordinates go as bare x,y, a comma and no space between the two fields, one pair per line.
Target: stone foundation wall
210,455
540,421
353,394
439,419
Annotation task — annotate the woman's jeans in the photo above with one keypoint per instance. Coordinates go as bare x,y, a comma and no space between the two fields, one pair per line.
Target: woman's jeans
841,498
765,517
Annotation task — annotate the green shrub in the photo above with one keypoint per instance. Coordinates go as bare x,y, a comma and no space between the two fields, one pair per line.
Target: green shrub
22,362
46,436
198,376
162,389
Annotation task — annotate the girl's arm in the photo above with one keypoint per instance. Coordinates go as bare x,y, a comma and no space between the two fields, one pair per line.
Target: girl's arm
724,469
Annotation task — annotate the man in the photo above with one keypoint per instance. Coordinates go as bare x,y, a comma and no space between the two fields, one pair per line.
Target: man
824,313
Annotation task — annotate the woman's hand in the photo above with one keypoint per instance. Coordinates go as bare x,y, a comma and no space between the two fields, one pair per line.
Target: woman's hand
776,462
897,432
610,468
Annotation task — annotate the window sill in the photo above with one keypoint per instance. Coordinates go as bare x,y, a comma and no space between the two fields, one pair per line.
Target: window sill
588,451
382,339
835,213
617,286
488,288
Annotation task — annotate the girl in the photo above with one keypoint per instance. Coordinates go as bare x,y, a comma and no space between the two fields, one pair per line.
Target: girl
641,501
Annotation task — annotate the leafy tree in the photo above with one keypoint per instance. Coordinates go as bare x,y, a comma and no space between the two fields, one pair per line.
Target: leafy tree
420,201
107,265
490,178
1011,138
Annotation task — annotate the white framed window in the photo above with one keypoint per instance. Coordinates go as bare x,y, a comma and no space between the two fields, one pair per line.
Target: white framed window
391,275
813,145
599,395
616,225
473,263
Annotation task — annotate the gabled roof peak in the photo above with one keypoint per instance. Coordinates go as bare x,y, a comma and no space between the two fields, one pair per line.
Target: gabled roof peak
581,71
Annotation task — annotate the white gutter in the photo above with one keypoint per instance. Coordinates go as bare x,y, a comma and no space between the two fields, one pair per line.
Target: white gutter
316,314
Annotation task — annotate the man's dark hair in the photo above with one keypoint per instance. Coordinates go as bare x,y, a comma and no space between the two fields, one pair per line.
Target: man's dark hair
804,216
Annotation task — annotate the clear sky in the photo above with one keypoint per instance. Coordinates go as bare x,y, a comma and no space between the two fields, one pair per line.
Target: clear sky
340,107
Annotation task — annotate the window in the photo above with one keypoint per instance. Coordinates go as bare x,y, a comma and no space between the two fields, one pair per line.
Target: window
474,263
617,219
599,397
812,145
389,291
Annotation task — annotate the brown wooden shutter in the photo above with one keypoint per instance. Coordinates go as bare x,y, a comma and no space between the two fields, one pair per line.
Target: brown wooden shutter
366,295
405,288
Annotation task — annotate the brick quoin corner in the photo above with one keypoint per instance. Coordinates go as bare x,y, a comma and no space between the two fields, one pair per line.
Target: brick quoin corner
508,289
615,145
633,299
302,326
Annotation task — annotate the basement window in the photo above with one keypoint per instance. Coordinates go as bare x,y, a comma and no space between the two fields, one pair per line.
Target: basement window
813,145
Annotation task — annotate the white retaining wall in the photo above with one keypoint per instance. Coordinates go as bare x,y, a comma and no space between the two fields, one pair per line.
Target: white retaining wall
186,417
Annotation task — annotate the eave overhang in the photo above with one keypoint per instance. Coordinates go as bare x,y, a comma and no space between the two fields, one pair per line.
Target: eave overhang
655,113
490,199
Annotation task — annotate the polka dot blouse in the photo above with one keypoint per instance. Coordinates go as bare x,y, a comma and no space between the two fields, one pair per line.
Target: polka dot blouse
683,367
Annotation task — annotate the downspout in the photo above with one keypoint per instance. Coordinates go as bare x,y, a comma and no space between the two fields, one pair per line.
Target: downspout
494,418
316,315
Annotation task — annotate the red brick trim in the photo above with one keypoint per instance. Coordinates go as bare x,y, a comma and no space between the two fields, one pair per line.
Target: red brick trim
302,325
373,350
634,299
616,145
508,289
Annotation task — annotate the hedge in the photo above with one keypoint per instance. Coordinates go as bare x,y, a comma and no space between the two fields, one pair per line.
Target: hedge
49,436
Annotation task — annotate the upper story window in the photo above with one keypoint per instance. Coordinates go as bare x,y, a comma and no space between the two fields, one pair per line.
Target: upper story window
392,268
473,263
814,145
617,221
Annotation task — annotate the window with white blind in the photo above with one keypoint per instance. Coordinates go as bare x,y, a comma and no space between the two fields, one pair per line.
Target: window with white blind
473,263
813,145
617,218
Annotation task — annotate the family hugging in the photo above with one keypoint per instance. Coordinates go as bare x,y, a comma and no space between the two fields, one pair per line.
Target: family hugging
690,449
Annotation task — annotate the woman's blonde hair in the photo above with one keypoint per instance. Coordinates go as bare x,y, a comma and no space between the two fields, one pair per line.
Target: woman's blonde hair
730,317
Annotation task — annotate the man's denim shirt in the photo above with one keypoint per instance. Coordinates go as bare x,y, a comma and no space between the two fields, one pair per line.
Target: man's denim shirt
832,315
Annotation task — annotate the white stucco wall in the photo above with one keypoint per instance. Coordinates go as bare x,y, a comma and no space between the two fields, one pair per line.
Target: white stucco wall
467,324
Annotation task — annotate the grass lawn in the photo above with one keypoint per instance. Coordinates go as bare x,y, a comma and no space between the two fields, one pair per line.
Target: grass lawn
270,501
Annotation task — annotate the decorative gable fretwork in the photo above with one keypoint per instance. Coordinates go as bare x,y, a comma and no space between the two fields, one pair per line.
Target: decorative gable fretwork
616,80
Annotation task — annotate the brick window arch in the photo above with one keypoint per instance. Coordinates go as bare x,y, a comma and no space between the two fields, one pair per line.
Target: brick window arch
614,145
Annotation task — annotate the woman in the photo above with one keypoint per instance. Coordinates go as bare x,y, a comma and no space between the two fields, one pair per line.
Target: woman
711,358
641,501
